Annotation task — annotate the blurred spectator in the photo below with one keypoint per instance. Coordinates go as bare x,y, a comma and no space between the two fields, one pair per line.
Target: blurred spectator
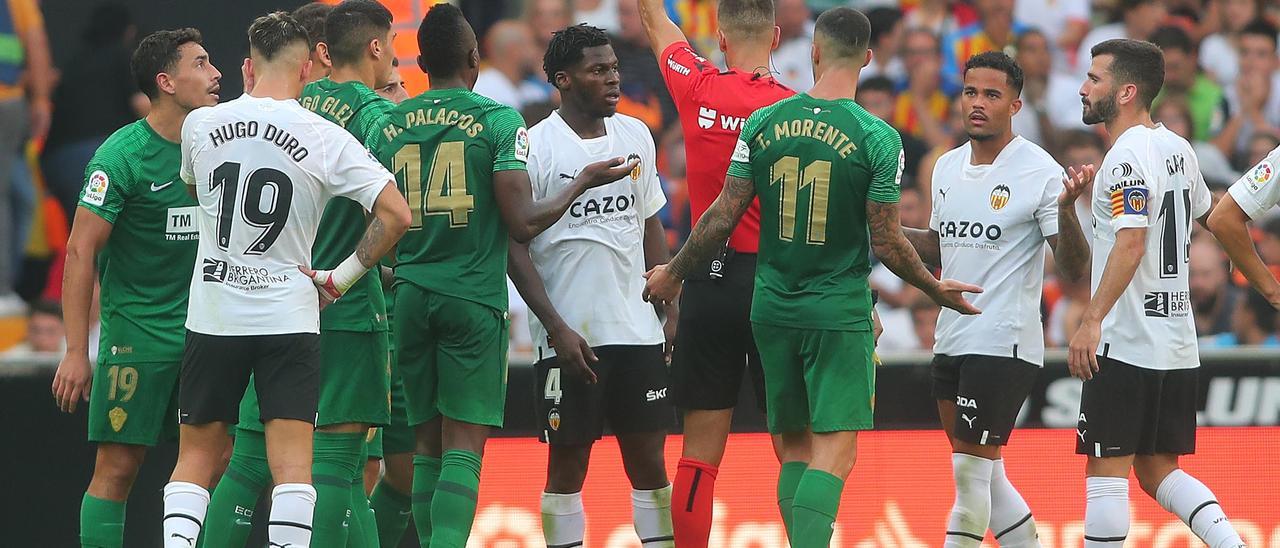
26,79
1253,323
1138,19
1069,309
941,17
1063,22
675,215
1255,97
793,60
546,17
599,13
1173,112
924,321
96,95
512,63
644,93
1259,146
921,109
1182,76
875,94
45,332
886,44
1219,47
1079,147
1050,99
1213,297
995,30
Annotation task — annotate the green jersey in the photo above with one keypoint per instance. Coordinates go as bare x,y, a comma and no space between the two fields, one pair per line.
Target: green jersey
444,147
815,164
145,268
357,108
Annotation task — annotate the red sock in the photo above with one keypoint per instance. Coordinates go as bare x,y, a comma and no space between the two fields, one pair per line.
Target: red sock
691,497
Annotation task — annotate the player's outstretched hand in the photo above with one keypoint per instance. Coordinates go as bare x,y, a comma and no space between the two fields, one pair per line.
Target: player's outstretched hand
1074,183
72,381
606,171
950,293
574,354
323,280
1082,354
662,287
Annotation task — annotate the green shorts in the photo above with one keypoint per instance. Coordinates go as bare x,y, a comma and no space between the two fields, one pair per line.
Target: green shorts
452,355
373,443
398,436
354,382
355,378
816,378
134,403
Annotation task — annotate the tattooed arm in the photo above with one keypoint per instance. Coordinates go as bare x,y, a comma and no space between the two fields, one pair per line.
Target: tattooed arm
390,221
926,243
708,235
893,249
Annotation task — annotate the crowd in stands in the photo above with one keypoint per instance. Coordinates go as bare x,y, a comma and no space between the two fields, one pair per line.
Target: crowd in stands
1222,92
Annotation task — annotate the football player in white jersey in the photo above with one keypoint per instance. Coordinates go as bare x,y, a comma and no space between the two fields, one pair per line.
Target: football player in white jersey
1136,345
583,277
996,200
263,168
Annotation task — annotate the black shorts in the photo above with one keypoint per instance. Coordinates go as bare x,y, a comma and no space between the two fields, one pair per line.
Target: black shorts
215,371
714,343
988,390
630,394
1130,410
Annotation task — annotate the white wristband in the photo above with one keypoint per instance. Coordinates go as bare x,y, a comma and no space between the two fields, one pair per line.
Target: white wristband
347,274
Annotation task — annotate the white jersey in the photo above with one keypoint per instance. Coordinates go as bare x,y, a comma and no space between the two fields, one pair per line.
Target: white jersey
592,259
992,221
263,170
1257,191
1150,179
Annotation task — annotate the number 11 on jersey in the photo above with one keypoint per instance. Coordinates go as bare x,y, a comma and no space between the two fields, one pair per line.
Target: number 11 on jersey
446,185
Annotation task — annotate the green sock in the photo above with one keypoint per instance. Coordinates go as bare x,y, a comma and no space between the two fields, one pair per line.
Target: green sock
363,532
813,512
391,511
336,460
101,523
426,474
453,507
230,516
788,479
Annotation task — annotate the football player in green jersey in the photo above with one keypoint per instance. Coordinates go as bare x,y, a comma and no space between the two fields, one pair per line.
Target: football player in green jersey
827,174
136,218
353,330
460,159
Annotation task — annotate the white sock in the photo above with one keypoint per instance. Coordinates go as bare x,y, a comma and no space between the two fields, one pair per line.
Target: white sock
651,512
184,508
289,525
1011,520
1106,514
563,519
1190,500
971,513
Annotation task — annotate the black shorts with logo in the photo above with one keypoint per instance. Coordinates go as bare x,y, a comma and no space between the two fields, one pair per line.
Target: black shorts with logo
1131,410
988,390
630,394
216,368
714,342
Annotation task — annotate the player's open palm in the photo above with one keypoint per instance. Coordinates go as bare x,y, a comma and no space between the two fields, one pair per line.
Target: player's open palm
950,294
72,381
606,171
1075,183
574,354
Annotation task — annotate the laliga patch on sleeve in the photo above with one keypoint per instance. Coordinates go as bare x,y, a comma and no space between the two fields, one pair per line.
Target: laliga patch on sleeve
522,144
95,191
741,152
1135,201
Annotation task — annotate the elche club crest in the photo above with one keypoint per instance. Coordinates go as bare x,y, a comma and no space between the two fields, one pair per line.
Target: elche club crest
1000,197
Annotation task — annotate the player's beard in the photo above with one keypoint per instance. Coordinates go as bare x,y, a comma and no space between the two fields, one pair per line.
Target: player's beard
1100,111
